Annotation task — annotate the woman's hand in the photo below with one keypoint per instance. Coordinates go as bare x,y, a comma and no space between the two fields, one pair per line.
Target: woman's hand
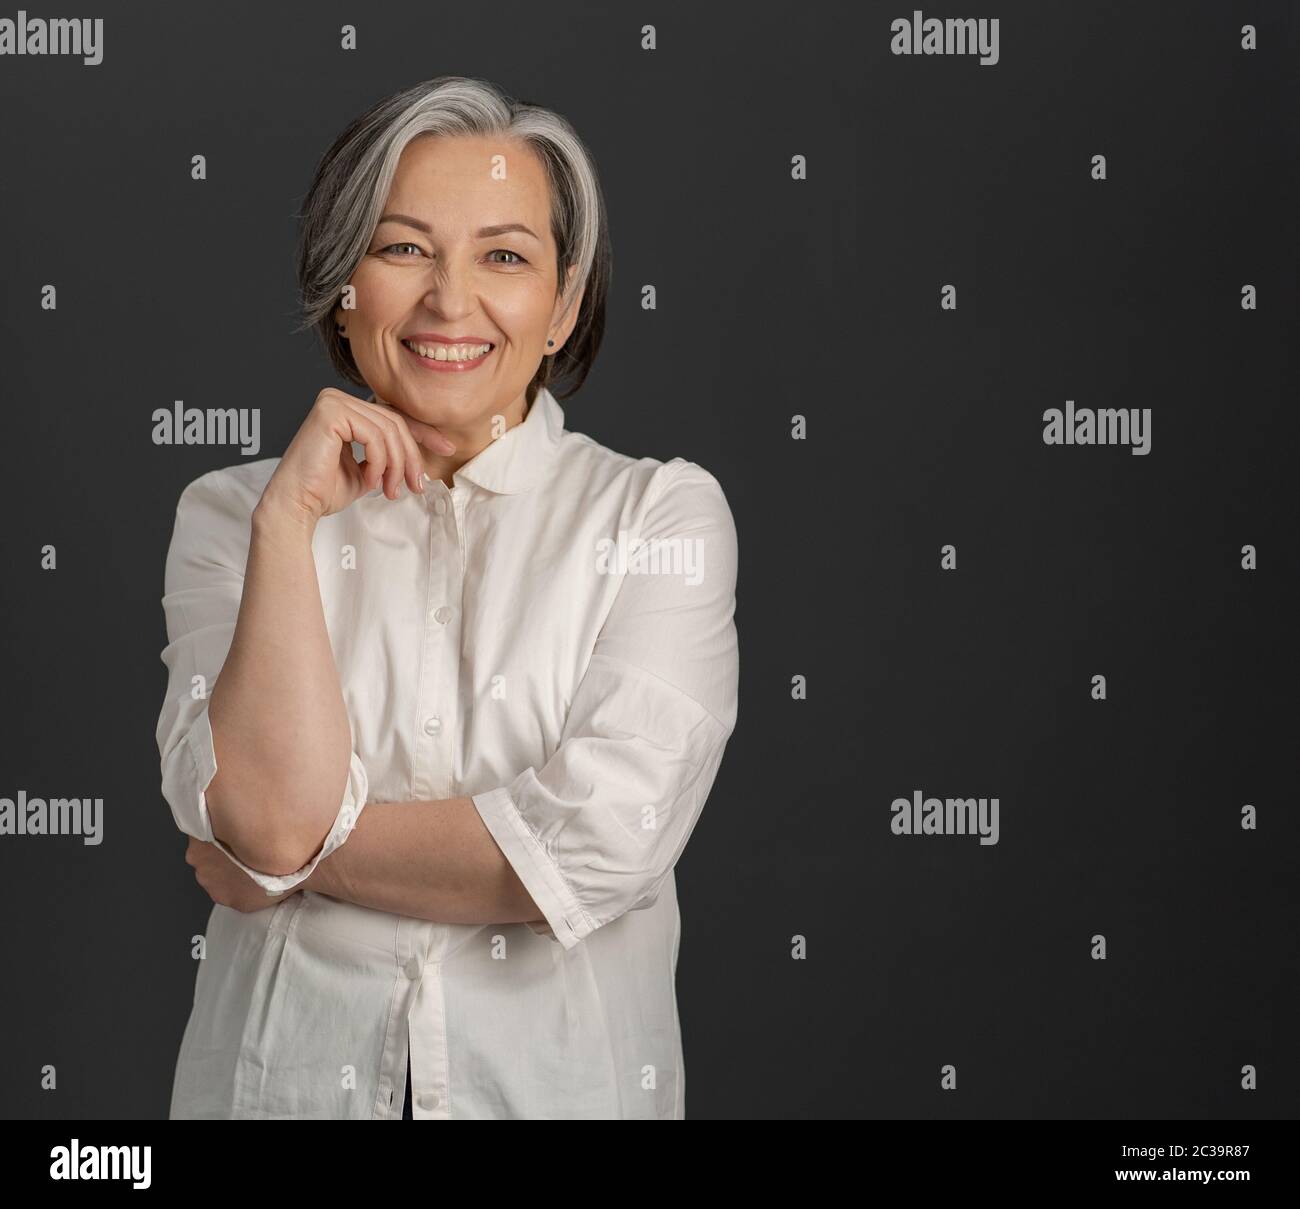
318,475
225,882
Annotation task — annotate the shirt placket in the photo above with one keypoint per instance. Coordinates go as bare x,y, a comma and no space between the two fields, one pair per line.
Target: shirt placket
410,945
440,659
436,720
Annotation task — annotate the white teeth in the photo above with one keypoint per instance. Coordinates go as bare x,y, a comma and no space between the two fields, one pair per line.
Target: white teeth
449,352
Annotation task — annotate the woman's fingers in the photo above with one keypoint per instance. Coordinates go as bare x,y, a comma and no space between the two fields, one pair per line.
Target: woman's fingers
368,433
430,437
393,443
396,467
410,448
352,473
426,434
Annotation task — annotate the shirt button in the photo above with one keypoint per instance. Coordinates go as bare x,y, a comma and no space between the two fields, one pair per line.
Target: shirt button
428,1099
443,615
440,506
432,726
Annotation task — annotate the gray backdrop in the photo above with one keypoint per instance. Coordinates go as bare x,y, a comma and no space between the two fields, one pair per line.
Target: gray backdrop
777,297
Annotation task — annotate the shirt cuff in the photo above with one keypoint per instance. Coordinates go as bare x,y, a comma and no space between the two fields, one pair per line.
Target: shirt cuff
565,920
190,804
199,740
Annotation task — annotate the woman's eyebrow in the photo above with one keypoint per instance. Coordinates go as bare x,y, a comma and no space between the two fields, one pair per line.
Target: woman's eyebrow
484,232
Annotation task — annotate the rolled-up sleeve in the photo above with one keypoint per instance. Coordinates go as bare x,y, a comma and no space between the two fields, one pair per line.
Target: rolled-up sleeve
596,831
203,585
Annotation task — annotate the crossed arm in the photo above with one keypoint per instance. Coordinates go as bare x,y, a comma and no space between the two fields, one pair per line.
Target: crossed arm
264,766
281,734
430,860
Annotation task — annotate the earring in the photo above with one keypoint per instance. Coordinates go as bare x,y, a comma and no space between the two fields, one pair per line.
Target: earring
550,344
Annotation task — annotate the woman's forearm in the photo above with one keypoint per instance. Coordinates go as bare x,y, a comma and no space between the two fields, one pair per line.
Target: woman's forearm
428,860
279,724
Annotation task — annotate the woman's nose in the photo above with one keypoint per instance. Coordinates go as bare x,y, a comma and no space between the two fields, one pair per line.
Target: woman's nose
450,288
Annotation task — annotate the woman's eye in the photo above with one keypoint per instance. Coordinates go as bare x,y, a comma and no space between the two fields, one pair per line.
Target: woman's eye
418,251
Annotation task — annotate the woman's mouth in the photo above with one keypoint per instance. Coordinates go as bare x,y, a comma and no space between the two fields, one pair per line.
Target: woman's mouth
449,358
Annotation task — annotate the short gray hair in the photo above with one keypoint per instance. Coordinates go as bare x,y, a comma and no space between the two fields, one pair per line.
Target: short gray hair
342,208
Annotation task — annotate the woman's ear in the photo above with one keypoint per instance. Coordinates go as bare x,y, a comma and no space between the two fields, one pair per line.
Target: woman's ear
563,321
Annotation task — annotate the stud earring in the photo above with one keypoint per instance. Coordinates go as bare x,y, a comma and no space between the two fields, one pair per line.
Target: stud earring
550,344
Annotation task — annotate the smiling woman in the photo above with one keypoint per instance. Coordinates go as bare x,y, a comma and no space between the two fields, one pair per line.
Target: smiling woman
459,166
429,241
451,750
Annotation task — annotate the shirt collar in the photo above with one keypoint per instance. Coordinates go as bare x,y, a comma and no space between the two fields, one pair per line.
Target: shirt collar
521,456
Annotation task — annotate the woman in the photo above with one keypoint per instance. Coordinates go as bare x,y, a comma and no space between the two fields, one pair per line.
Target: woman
448,683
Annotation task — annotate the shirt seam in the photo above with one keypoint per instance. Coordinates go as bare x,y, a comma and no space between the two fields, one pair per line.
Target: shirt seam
704,709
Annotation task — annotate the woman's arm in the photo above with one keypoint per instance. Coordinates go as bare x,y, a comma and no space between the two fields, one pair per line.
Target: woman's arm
428,860
596,830
280,729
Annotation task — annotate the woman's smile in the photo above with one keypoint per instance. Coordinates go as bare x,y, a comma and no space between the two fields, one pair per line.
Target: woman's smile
444,357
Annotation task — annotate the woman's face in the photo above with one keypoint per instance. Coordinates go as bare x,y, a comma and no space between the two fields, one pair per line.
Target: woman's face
435,267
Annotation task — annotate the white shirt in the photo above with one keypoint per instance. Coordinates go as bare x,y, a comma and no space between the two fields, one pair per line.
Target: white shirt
509,640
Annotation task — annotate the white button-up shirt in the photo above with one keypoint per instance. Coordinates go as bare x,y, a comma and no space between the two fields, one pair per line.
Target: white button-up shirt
553,637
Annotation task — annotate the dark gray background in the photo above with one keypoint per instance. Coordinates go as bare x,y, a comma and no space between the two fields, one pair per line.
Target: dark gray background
775,298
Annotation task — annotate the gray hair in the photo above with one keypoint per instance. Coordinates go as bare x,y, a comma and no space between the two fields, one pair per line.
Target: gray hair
342,208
